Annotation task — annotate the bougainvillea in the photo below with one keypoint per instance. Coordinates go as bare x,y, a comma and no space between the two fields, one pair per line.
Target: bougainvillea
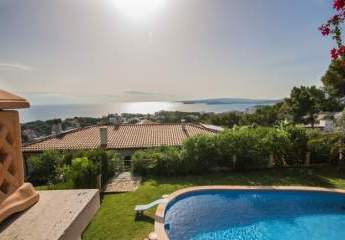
333,28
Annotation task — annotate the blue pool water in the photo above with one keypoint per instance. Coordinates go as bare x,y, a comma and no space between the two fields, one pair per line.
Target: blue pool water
256,215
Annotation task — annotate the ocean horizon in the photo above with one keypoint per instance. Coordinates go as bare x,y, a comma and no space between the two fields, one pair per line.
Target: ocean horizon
46,112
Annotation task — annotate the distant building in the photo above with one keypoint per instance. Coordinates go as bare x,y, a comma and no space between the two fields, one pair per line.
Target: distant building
71,124
213,127
326,125
115,119
146,121
133,120
251,110
29,134
56,128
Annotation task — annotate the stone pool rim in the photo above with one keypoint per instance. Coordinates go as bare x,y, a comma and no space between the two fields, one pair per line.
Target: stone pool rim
161,209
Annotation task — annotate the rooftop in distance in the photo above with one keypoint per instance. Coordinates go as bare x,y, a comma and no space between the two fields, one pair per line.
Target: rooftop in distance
121,137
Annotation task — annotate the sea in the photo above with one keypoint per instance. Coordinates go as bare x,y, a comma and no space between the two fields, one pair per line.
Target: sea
45,112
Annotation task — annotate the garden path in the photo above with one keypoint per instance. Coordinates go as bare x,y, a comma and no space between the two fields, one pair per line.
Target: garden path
124,182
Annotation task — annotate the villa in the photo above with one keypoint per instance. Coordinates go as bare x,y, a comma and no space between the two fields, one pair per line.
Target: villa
172,120
124,138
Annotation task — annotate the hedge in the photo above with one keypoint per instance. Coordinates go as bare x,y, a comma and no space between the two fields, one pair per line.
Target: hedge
243,148
51,167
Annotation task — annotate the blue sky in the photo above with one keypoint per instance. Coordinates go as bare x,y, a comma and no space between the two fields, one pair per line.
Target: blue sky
81,51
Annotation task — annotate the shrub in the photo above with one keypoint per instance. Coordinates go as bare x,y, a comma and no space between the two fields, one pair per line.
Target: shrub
170,162
250,149
277,143
298,148
54,166
199,154
83,173
252,146
106,161
43,168
161,161
324,148
226,147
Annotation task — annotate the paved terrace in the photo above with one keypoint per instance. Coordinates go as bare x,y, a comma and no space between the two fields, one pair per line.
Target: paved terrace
125,182
58,215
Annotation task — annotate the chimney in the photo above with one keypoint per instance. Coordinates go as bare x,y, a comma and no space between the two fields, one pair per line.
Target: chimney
185,130
56,127
103,134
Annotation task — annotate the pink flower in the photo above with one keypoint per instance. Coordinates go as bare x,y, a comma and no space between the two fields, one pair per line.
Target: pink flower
341,50
338,4
335,19
334,54
324,30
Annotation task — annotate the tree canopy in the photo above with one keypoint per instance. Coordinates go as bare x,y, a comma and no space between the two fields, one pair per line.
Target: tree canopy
334,79
305,102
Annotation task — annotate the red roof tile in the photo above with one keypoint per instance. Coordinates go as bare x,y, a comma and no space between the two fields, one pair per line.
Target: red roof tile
127,136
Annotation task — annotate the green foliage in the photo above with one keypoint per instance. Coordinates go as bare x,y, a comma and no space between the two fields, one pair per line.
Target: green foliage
334,79
106,161
298,145
83,173
199,154
162,161
250,149
43,168
277,143
229,119
54,166
43,128
176,116
304,103
324,148
226,148
263,116
240,148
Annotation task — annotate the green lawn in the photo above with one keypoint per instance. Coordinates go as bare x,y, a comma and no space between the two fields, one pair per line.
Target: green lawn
116,218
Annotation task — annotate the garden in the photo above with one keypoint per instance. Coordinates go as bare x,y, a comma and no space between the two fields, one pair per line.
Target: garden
281,155
72,169
241,149
233,150
116,218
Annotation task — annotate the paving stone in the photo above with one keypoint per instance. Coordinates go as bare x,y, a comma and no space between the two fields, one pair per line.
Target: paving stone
124,182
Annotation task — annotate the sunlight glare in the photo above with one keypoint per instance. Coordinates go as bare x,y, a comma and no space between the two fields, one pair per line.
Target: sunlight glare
139,9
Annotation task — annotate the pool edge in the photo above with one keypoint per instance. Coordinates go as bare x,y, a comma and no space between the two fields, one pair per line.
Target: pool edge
160,212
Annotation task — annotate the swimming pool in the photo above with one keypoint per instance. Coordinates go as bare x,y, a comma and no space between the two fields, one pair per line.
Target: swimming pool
254,214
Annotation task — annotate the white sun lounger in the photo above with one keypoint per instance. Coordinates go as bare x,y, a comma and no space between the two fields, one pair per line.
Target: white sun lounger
141,208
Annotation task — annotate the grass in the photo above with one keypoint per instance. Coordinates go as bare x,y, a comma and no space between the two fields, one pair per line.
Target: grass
116,218
58,186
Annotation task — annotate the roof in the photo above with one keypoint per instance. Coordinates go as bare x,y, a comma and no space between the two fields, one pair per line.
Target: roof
11,101
121,137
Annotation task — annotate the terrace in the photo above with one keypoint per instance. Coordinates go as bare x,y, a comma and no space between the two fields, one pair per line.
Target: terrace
78,215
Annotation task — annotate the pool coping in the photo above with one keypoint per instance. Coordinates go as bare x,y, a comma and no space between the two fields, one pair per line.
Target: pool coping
160,212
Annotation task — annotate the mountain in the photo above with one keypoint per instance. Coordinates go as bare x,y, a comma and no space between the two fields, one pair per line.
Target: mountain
216,101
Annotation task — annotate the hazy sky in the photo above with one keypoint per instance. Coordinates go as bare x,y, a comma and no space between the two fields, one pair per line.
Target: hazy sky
94,51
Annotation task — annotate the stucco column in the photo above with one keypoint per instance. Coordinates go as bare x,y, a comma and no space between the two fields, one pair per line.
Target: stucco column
15,195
